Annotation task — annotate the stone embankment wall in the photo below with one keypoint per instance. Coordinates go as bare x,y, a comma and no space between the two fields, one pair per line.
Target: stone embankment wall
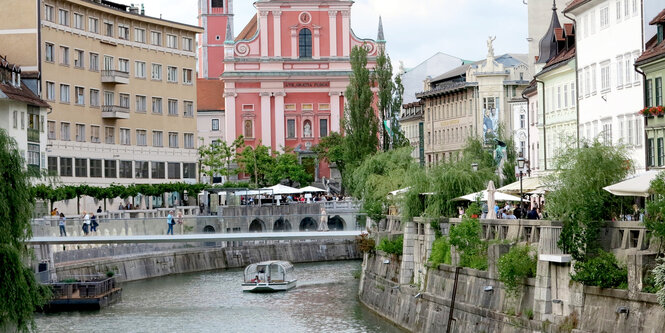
419,298
137,267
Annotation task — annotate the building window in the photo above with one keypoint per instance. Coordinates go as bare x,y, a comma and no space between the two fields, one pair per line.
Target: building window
157,170
291,128
50,124
573,94
605,76
157,105
93,25
659,91
80,132
141,105
78,58
53,165
34,157
65,166
64,93
94,134
649,93
64,132
110,169
174,170
171,74
49,53
189,140
80,98
172,41
189,170
186,76
619,72
173,107
50,91
124,100
156,73
78,21
217,3
108,29
95,168
94,62
109,135
558,97
139,35
125,136
81,167
594,78
215,125
618,10
305,43
108,63
123,32
123,65
109,98
187,44
660,151
48,13
173,140
249,129
188,109
607,134
141,138
628,67
15,119
94,97
522,121
156,38
141,170
63,17
323,128
126,169
139,72
157,139
64,55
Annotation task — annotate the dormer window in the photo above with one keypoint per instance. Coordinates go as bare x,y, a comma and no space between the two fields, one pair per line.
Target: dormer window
660,33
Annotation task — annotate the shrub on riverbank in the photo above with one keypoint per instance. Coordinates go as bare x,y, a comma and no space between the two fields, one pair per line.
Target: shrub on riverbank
602,270
395,246
516,266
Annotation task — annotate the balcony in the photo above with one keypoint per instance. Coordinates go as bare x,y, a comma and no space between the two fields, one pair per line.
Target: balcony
115,112
33,135
114,76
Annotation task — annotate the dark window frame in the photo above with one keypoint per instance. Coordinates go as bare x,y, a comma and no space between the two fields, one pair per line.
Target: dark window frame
305,43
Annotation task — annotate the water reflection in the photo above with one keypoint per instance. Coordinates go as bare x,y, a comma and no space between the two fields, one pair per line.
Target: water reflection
324,301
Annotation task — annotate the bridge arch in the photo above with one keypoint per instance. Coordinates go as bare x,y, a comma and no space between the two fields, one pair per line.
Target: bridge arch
308,224
336,223
257,225
208,229
282,224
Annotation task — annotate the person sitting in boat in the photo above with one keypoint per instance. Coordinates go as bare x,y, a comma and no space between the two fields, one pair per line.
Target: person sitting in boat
255,280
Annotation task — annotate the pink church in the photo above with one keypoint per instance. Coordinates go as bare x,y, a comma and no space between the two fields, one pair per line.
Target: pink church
286,73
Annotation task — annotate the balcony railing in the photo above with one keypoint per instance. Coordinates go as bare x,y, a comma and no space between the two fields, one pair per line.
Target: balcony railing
115,112
115,76
33,135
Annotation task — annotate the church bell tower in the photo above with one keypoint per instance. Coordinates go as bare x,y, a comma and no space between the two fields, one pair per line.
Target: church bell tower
214,17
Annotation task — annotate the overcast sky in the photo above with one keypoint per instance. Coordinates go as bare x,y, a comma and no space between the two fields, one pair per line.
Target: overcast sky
414,29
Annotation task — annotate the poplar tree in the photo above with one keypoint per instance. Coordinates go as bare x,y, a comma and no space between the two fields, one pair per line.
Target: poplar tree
398,139
19,291
360,122
382,75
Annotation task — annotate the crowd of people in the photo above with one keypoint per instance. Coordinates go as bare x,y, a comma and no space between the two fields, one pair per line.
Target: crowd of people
288,199
510,211
88,226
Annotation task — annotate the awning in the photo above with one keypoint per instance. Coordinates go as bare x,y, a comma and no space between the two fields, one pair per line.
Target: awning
498,196
637,186
529,184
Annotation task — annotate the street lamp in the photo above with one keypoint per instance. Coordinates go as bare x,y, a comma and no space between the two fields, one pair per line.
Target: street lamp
520,166
474,167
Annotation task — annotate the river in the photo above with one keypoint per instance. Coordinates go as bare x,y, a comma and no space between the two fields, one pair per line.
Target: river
325,300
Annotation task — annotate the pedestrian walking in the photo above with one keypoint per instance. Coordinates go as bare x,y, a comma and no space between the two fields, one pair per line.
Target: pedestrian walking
61,223
170,223
99,210
86,223
180,222
93,223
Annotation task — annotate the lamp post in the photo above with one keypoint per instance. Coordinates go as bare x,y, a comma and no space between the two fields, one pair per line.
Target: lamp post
520,167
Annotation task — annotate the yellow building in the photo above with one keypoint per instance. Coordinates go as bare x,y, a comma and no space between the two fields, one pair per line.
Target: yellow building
121,86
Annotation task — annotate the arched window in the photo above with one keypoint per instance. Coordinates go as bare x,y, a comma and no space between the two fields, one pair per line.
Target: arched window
305,43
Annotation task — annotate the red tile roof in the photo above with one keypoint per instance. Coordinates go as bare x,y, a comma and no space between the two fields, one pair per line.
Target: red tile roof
250,29
574,4
653,50
660,18
22,94
561,57
210,94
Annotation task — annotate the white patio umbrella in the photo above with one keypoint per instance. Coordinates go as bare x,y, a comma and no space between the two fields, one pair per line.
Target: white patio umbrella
637,186
485,195
491,214
281,189
310,189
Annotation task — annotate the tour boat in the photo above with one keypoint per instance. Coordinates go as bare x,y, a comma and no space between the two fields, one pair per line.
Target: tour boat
269,276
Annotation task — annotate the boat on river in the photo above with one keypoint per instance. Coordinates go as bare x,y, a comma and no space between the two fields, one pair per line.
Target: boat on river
269,276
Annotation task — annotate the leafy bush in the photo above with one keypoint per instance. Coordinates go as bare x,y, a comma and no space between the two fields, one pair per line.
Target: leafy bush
515,266
365,243
659,277
395,246
603,271
466,239
440,252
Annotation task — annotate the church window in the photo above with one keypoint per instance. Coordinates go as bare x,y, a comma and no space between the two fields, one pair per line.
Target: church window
249,130
305,43
217,3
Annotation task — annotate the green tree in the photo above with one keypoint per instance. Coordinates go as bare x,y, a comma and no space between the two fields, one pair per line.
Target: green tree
398,137
654,219
257,162
578,198
360,122
286,166
216,158
465,237
382,75
19,291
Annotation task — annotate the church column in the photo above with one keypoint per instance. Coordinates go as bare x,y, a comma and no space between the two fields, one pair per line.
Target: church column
230,116
279,121
265,119
332,15
263,25
294,42
317,43
277,32
334,112
346,33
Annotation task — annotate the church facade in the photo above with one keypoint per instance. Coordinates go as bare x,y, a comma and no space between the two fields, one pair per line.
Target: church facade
286,73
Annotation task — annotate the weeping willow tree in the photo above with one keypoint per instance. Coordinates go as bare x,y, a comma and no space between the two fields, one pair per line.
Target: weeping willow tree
19,291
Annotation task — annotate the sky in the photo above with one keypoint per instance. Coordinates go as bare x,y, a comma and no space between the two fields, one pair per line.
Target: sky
414,29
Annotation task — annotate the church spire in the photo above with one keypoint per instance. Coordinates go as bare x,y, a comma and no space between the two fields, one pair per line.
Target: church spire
547,46
229,33
380,38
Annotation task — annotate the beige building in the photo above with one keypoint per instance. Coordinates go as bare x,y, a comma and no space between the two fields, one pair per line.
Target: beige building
122,86
411,122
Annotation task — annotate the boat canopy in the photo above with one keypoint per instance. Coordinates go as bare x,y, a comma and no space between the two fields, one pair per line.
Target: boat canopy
270,271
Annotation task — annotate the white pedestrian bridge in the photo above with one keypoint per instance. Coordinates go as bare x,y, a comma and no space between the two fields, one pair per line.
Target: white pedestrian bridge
189,238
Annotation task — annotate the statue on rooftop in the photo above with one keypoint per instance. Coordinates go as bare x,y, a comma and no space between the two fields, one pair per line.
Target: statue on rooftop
490,47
